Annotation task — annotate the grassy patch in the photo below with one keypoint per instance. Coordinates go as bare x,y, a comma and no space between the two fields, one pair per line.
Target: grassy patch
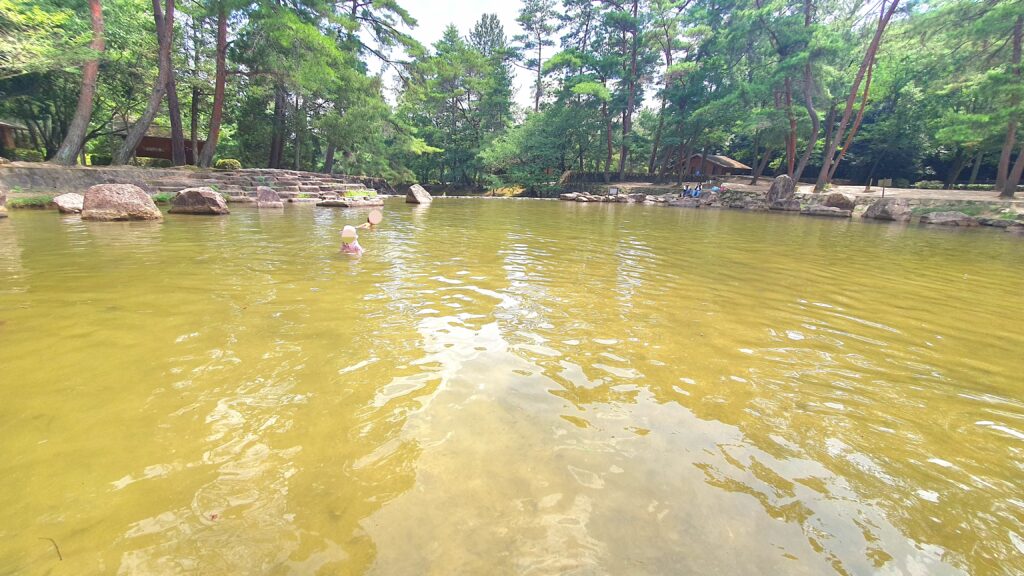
969,209
163,197
30,202
360,193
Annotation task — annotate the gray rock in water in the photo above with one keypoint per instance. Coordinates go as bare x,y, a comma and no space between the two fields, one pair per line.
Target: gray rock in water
685,203
791,205
951,218
995,222
570,196
69,203
418,195
841,201
782,188
832,211
1016,228
109,202
266,197
891,209
203,200
3,204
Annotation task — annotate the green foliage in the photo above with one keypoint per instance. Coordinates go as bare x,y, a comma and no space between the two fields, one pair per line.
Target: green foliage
41,201
163,197
39,35
228,164
100,160
28,155
929,185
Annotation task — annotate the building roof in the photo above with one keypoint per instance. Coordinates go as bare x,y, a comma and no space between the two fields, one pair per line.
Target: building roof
14,125
725,162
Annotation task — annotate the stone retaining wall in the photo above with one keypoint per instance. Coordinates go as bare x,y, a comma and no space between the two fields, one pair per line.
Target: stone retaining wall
49,179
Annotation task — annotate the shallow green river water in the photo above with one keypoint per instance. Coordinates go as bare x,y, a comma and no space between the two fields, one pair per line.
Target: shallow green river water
509,387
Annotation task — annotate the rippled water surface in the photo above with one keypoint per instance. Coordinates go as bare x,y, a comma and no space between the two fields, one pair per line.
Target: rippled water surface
509,387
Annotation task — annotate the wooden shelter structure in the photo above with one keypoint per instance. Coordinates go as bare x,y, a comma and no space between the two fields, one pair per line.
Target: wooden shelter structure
716,165
157,142
11,135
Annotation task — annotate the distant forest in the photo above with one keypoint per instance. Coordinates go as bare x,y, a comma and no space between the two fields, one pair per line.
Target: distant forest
927,92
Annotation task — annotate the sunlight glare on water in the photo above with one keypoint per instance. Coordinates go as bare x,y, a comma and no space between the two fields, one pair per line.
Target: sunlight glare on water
509,387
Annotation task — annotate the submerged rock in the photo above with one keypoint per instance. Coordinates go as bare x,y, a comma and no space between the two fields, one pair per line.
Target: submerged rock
69,203
266,197
685,203
418,195
891,209
951,218
199,201
3,204
841,201
995,222
783,188
108,202
831,211
352,202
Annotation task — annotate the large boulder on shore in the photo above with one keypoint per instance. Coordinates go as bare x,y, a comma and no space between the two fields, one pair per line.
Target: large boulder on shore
951,218
266,197
107,202
841,201
782,188
202,200
69,203
891,209
418,195
3,204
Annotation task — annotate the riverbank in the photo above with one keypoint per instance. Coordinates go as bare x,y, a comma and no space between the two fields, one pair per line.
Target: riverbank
965,208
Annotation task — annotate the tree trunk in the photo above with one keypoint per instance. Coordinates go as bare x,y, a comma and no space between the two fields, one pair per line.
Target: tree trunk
298,133
173,108
329,159
138,130
954,171
1010,142
608,138
627,114
760,166
540,68
194,121
194,100
791,139
812,139
866,63
1013,179
856,125
657,138
213,134
277,135
975,168
75,138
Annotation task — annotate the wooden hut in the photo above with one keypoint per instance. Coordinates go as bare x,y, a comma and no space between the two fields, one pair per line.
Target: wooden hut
11,135
716,165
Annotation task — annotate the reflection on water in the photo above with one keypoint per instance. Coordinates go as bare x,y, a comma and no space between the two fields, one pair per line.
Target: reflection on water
509,387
